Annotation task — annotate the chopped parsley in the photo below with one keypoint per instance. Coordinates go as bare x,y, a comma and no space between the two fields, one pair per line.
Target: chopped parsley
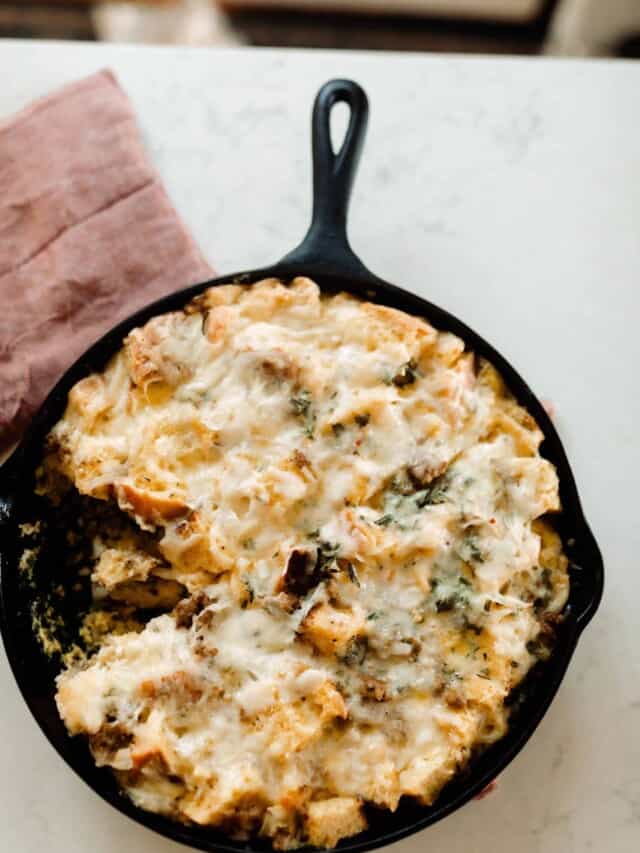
301,407
401,501
301,403
400,484
355,652
435,493
450,594
246,582
449,675
470,551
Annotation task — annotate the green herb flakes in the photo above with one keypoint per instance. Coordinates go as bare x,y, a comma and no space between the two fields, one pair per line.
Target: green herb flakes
435,493
450,593
301,408
356,652
470,550
301,403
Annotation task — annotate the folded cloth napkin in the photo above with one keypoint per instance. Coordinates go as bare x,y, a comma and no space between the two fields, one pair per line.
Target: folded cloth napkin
87,236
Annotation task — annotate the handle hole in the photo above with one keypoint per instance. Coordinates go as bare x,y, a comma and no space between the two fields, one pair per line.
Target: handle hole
338,124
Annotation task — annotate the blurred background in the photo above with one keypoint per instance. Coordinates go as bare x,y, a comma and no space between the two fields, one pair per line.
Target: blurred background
556,27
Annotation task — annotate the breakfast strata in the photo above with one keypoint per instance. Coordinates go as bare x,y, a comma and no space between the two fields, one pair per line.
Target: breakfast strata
334,566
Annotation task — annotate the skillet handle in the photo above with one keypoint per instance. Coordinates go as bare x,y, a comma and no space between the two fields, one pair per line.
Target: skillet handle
326,247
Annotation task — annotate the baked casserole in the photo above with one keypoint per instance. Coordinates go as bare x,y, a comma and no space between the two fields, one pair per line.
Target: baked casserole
335,561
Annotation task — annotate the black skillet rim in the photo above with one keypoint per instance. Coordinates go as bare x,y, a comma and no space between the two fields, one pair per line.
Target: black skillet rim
324,255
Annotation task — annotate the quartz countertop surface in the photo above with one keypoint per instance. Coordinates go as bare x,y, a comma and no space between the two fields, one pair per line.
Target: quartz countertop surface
507,191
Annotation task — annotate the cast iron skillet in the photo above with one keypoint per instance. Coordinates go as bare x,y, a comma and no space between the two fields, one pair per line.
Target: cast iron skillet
326,256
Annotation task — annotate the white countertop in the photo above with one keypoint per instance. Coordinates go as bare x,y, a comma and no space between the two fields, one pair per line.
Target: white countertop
505,190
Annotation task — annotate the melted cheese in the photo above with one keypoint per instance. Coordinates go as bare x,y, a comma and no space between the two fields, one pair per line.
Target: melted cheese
355,509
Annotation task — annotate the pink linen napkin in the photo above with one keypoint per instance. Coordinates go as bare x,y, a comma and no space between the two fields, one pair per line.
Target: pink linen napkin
87,236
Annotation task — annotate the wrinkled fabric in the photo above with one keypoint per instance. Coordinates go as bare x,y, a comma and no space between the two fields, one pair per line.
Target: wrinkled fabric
87,236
